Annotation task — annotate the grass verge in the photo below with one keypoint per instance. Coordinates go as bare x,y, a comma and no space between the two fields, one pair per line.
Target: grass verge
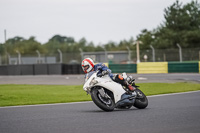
11,95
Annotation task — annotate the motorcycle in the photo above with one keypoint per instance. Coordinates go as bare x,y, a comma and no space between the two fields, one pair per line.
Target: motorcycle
108,95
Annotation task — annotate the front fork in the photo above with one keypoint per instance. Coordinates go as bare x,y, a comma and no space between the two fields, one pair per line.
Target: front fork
103,93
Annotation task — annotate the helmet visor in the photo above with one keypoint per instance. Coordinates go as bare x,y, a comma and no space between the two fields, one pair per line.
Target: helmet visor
85,67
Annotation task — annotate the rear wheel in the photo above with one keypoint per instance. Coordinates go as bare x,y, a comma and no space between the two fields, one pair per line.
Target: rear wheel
141,100
106,102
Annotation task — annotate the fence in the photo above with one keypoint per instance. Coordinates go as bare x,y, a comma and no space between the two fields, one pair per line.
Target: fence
14,59
115,57
189,54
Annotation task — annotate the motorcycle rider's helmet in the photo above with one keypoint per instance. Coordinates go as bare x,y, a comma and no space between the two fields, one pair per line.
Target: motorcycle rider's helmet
87,65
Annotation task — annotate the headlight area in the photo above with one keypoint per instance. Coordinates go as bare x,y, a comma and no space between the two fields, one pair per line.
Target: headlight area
93,82
87,89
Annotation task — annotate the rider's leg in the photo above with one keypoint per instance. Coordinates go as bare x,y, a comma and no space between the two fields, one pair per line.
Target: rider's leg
119,79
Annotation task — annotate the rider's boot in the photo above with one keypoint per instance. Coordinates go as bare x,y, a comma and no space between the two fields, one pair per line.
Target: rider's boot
131,88
123,82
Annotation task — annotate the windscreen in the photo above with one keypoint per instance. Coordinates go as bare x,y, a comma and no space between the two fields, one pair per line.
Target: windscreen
88,75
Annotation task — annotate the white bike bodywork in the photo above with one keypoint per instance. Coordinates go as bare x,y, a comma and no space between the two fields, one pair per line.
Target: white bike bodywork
105,82
107,94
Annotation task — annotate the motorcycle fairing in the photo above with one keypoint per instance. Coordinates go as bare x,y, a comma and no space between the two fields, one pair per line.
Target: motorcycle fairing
116,88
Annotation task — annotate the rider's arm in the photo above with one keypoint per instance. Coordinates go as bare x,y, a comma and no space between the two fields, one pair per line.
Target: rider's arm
105,68
101,68
108,71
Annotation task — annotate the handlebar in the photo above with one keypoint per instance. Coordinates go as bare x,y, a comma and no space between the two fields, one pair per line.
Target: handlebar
103,73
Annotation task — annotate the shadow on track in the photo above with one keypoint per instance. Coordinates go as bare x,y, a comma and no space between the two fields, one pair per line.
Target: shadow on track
116,110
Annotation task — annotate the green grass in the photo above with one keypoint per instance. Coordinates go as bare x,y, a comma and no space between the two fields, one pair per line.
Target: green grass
11,95
40,94
165,88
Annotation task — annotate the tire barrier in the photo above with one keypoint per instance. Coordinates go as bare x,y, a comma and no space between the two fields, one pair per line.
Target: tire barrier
72,69
13,70
55,69
3,70
41,69
59,69
120,68
199,67
152,67
183,67
27,69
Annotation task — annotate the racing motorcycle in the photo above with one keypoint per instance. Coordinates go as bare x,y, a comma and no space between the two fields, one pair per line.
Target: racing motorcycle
108,95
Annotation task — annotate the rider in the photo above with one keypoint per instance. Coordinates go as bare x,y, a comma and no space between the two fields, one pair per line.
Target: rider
89,66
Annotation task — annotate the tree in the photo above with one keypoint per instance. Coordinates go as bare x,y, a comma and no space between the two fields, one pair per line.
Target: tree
182,25
147,38
192,13
58,42
22,45
62,39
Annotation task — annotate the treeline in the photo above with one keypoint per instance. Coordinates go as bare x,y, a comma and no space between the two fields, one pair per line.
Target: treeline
180,26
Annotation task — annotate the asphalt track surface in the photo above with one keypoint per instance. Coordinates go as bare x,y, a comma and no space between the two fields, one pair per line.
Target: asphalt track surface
79,79
178,113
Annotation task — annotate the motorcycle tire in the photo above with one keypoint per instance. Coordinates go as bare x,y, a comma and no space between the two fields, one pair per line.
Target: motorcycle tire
141,101
96,98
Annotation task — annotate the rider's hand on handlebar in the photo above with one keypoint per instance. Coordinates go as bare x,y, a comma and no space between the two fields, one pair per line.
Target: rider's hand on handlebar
104,72
99,75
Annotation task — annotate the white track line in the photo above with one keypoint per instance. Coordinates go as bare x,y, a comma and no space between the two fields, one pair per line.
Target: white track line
174,93
39,105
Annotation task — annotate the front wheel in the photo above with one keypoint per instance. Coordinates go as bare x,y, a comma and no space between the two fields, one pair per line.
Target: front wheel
141,100
105,103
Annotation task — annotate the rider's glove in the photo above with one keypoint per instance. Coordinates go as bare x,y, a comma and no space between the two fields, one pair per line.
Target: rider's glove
104,72
99,75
